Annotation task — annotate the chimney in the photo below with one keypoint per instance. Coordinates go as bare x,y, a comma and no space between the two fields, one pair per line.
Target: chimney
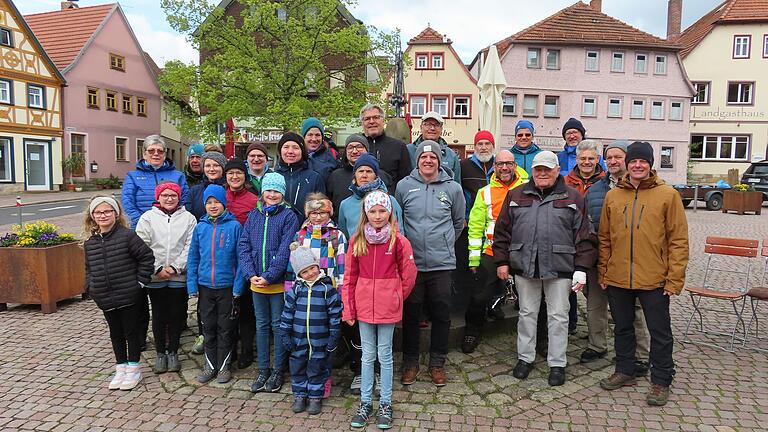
70,4
596,5
674,14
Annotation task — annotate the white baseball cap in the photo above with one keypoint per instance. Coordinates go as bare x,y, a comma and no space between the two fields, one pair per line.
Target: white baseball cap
433,115
545,158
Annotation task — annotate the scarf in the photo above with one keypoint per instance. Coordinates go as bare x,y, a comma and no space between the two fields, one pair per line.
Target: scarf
360,191
377,237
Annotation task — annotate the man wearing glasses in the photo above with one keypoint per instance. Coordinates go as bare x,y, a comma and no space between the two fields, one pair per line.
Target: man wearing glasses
525,149
391,153
432,129
573,133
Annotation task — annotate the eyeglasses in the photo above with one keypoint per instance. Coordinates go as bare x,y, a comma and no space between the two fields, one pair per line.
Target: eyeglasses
155,151
169,196
501,164
355,147
524,135
318,213
258,156
105,213
372,118
431,126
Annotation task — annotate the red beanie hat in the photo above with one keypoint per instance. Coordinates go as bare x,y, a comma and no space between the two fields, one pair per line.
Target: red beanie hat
167,185
484,135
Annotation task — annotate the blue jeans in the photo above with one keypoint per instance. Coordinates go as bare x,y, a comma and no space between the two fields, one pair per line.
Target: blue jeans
268,308
376,337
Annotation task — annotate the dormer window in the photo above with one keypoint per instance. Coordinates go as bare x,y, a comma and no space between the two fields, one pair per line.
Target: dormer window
117,62
421,61
437,61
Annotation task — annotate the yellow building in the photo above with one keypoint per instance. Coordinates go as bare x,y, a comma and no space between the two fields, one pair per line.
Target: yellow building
726,57
437,80
30,108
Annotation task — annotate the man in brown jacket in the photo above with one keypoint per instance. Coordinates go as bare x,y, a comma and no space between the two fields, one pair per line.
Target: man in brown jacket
643,255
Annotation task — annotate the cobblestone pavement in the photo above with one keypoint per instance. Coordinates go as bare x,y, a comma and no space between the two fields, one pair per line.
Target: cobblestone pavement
54,371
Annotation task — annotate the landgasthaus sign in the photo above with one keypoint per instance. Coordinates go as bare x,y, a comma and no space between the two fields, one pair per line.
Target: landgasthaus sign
718,113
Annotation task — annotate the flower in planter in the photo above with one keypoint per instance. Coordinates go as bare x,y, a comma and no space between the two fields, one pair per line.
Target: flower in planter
35,234
742,187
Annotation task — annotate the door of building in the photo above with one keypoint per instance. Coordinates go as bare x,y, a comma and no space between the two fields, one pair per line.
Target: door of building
37,165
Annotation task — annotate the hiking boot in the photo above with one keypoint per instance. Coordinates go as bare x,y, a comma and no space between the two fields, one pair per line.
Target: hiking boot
409,375
590,355
438,376
357,382
207,375
469,344
299,404
260,384
132,377
641,368
315,406
522,369
117,380
658,395
384,420
173,362
364,412
556,376
197,347
161,364
616,381
275,382
224,376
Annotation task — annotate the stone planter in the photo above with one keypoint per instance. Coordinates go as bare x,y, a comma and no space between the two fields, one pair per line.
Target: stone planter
741,202
41,275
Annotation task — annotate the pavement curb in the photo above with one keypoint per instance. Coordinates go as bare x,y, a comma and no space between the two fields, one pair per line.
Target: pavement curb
52,200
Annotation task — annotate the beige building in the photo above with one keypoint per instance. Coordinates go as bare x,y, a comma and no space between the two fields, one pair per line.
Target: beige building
437,80
726,57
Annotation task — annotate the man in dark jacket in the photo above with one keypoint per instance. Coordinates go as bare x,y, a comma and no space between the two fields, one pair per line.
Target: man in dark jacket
392,154
194,168
477,169
543,238
321,159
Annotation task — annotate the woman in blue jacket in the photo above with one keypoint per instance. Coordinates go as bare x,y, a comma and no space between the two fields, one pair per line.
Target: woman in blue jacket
293,165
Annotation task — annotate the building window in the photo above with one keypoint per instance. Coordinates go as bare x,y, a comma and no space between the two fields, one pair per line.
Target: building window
5,159
531,105
741,46
120,147
589,107
6,37
92,97
593,61
638,109
440,105
765,46
139,149
661,65
657,110
740,93
117,62
437,61
111,101
35,96
421,61
338,79
714,147
418,105
551,105
6,91
509,104
676,111
553,59
667,157
127,104
141,107
614,107
534,58
76,143
641,63
617,62
461,106
702,93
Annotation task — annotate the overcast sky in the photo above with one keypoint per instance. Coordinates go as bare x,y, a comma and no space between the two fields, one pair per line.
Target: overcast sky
471,24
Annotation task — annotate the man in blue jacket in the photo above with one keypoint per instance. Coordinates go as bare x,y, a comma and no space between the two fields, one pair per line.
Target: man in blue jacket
573,133
525,149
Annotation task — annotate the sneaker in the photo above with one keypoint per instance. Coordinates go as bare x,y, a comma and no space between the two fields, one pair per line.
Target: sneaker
409,375
641,368
173,362
556,376
224,376
275,382
197,348
522,369
384,420
299,404
260,384
616,381
357,382
161,364
469,344
117,380
658,395
206,375
314,406
590,355
438,376
364,412
327,391
132,377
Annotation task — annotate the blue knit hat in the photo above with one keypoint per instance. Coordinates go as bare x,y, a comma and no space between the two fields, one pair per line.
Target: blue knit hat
525,124
216,191
312,122
367,159
195,149
274,182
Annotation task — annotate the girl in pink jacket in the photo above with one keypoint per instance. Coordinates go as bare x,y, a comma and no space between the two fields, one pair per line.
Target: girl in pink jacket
380,274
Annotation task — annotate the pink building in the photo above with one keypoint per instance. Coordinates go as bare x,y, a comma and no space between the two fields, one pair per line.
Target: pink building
622,83
112,101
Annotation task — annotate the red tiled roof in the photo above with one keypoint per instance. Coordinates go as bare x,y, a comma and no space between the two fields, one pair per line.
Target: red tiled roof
730,11
428,36
63,33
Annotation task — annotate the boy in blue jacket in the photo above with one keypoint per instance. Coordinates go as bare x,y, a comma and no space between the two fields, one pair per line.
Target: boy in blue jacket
213,273
310,327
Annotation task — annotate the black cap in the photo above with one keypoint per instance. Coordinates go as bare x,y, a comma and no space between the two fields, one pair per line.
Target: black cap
640,150
235,163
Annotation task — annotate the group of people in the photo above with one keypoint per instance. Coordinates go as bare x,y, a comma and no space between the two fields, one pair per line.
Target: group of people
323,249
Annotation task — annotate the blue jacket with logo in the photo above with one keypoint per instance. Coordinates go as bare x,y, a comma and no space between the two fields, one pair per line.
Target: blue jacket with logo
139,187
212,260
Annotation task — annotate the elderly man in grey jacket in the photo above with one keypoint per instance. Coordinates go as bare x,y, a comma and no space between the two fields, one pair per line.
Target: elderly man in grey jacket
433,215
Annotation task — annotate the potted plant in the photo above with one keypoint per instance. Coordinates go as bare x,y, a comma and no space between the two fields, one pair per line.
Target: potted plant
39,265
74,166
742,198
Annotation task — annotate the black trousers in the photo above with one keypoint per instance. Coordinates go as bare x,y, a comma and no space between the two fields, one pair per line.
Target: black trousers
245,331
433,290
656,311
169,311
125,332
218,325
480,293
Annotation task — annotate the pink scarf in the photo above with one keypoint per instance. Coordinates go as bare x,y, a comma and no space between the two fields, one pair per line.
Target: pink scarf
377,237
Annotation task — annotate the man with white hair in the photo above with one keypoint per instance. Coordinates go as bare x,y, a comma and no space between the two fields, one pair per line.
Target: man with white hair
391,153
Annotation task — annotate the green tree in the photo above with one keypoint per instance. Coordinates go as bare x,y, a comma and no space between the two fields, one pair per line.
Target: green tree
269,63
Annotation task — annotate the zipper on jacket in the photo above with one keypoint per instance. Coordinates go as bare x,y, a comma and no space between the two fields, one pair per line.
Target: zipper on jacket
264,245
309,303
632,240
373,303
213,255
168,243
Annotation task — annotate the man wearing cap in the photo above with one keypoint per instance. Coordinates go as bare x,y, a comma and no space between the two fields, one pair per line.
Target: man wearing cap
643,255
477,169
543,238
193,171
573,133
392,154
482,220
321,160
525,149
432,129
433,217
257,159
